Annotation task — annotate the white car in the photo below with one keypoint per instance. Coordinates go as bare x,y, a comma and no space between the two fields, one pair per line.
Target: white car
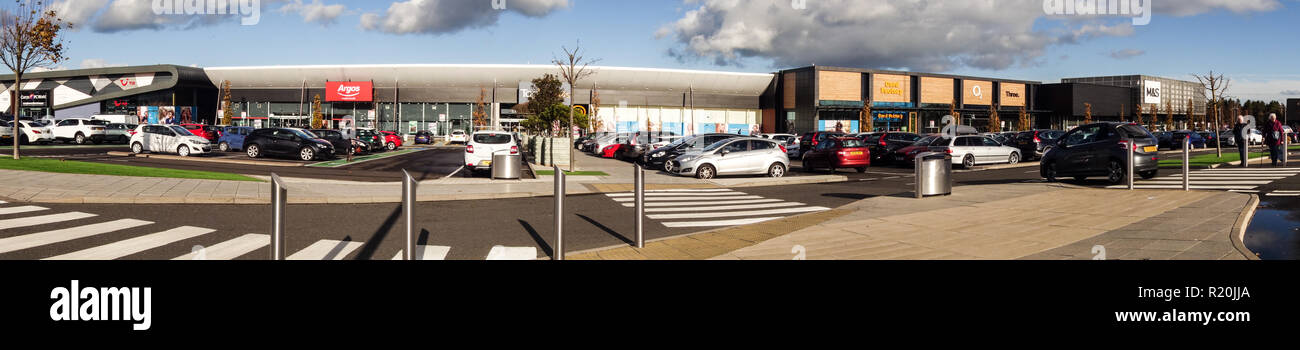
458,136
168,139
484,144
34,132
6,132
1256,137
80,131
969,151
736,156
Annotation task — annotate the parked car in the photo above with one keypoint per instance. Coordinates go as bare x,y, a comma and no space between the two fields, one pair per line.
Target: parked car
1209,137
6,132
786,139
30,131
297,143
172,139
837,153
118,133
1100,150
969,151
370,140
1290,133
637,146
335,139
883,144
458,136
484,144
391,140
585,143
907,155
1177,137
660,157
232,138
209,132
1036,143
812,139
602,144
738,156
423,138
80,130
1256,137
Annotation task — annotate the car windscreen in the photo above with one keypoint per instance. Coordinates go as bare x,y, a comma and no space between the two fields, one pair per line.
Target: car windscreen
304,134
905,137
851,143
925,141
1134,131
1051,135
716,145
96,122
492,139
180,131
328,134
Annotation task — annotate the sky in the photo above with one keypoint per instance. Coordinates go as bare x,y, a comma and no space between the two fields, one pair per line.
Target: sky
1250,41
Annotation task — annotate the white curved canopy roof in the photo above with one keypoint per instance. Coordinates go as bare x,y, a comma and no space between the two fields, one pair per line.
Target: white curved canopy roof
501,76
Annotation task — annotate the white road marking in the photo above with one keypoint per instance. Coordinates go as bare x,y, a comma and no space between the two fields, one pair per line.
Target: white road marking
1194,187
688,190
42,220
512,253
736,214
670,199
1283,195
232,249
127,247
685,204
720,223
1286,191
327,250
50,237
1244,191
462,167
20,210
1202,182
648,194
427,252
724,207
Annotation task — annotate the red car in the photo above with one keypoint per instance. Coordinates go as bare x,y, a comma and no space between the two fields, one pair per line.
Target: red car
391,140
907,155
836,153
613,151
211,133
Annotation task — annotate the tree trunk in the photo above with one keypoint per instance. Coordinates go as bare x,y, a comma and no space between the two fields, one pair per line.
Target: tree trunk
14,102
569,132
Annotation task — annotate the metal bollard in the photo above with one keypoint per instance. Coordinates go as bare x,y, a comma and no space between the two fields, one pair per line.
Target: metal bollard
1187,164
559,214
1286,149
639,175
279,197
409,189
917,171
1131,154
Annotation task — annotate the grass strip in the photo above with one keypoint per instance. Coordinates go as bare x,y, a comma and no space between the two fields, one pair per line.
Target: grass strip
76,167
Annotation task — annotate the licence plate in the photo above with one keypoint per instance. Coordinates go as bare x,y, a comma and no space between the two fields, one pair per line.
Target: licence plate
487,163
855,153
1150,149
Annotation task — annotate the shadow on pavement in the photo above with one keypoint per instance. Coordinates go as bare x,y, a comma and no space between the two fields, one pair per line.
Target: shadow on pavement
607,229
371,245
541,243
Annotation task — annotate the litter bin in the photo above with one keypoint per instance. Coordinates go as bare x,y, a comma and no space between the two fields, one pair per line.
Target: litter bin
506,166
933,174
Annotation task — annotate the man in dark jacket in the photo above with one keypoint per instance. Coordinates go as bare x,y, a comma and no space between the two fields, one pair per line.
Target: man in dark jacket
1273,138
1239,133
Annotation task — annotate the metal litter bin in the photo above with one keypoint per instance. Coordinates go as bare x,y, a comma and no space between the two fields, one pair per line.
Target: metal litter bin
933,174
507,166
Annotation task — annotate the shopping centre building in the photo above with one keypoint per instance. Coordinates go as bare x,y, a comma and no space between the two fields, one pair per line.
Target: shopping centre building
440,98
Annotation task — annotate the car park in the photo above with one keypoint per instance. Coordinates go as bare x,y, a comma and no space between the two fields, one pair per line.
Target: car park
883,144
1036,143
483,145
458,136
31,131
812,139
838,153
1101,149
1197,140
969,151
292,142
119,133
738,156
171,139
80,130
232,138
335,139
659,158
423,138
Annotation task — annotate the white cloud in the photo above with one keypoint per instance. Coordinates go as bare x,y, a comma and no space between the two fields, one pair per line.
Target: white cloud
1126,54
1196,7
315,12
450,16
97,63
1264,89
78,12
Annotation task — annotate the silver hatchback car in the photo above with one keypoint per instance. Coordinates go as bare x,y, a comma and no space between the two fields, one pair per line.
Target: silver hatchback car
737,156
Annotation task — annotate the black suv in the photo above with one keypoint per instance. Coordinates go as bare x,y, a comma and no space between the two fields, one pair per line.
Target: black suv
659,158
335,138
1036,143
1099,150
287,142
882,144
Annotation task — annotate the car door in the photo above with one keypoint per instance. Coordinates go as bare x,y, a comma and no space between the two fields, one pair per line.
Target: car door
731,158
1077,155
994,152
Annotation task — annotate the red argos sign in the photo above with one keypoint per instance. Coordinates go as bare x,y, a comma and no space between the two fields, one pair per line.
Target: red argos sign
357,91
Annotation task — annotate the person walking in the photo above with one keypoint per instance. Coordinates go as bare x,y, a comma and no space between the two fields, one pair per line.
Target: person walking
1239,134
1273,138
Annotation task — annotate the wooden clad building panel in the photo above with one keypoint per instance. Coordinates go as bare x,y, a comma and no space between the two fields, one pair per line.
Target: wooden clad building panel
789,93
1013,94
839,86
977,92
936,90
891,88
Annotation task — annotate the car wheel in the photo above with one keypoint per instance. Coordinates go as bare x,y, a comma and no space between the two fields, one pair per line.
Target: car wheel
253,151
183,151
80,139
225,147
806,166
1049,171
968,162
705,172
777,170
392,146
862,170
1014,159
1147,175
1116,172
668,167
306,154
137,148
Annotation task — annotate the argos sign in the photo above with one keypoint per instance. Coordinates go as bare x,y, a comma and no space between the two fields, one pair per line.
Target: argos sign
356,91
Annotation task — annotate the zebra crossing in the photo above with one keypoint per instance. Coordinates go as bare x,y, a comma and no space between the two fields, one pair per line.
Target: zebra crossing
21,231
1225,179
703,208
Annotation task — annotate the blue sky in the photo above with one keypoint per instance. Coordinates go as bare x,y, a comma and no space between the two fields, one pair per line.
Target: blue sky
1250,40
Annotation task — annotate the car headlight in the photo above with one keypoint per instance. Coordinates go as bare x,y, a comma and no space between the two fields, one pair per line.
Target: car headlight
658,154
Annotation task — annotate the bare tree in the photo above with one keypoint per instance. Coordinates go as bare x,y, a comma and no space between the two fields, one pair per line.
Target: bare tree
29,38
573,69
995,122
867,124
1216,85
227,115
1087,113
1024,120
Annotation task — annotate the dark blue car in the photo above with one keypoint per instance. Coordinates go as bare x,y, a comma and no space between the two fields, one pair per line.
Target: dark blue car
1176,139
232,138
423,138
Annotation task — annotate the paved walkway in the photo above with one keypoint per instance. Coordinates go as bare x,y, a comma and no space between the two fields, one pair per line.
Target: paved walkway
995,222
